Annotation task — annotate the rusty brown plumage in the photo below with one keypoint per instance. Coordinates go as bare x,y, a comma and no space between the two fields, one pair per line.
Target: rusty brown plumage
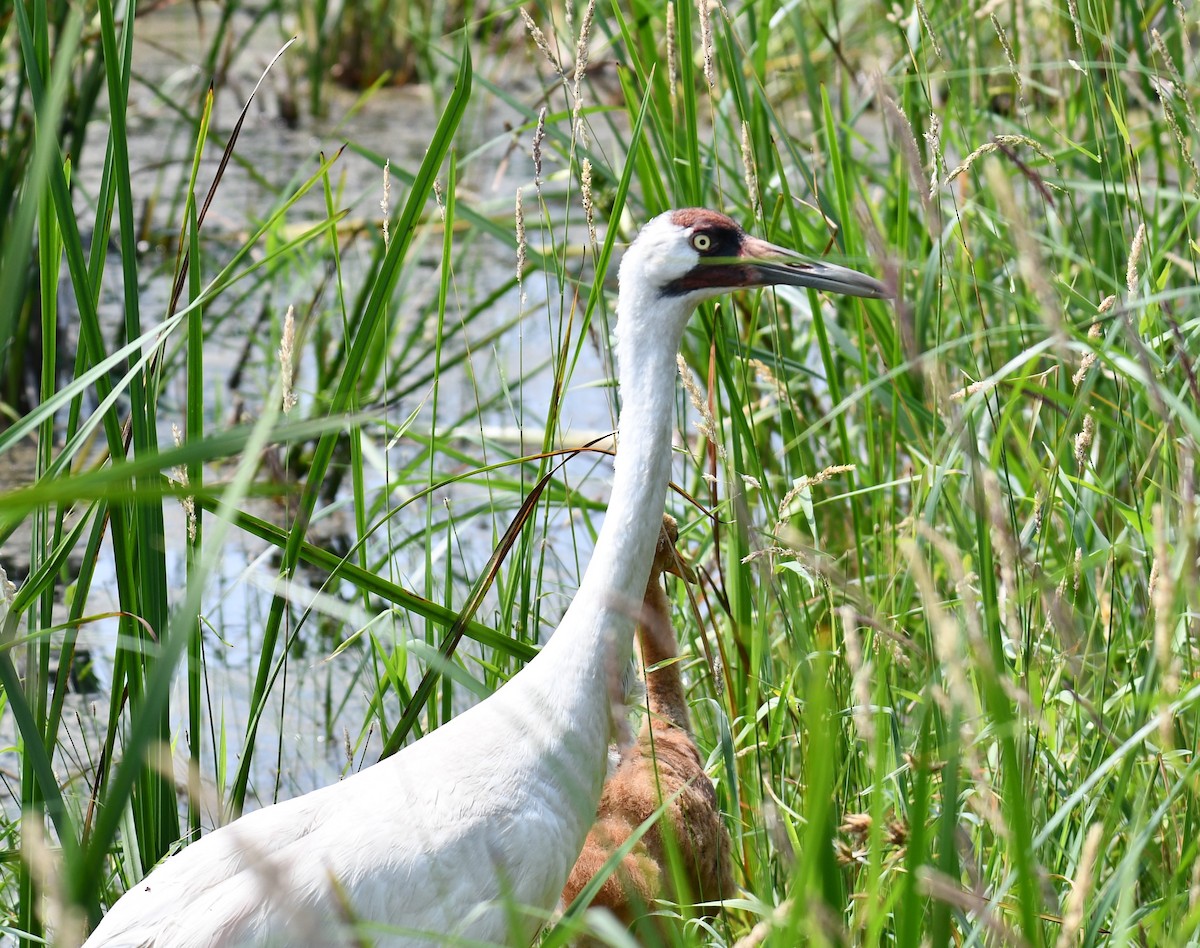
662,765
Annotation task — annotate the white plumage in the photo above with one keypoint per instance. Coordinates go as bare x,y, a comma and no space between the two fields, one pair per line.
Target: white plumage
471,831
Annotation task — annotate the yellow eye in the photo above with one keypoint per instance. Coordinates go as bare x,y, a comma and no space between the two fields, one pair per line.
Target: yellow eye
701,242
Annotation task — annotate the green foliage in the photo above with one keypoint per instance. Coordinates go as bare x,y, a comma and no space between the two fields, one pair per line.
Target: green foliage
943,655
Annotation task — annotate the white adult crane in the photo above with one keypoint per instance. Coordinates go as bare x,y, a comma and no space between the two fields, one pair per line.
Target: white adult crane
472,830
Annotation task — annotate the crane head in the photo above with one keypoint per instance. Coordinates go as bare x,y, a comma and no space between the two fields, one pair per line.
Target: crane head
667,558
699,254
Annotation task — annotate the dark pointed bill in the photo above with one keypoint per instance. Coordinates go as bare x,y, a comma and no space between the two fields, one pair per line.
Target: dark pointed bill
759,263
768,265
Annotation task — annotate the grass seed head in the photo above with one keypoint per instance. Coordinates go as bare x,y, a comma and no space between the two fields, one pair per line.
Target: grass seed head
1008,141
672,70
706,42
539,138
581,62
1089,357
522,247
1083,440
929,766
1135,253
1009,55
983,385
1181,88
843,853
1081,886
286,360
856,824
1073,13
799,486
439,199
540,41
385,201
1181,140
1162,597
187,503
765,377
933,138
933,40
748,170
946,636
778,919
707,423
589,206
581,46
906,138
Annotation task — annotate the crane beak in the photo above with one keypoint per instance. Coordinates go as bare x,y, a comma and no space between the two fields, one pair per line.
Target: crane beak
677,567
765,264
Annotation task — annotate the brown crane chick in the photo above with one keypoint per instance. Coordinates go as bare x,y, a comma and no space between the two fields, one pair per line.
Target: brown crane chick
662,765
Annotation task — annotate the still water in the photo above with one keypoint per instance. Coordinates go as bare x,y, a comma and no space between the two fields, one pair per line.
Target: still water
319,702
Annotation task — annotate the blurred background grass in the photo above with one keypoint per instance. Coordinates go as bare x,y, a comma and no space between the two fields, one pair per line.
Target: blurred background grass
943,655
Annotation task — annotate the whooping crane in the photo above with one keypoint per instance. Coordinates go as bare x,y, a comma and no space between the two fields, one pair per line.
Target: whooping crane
471,831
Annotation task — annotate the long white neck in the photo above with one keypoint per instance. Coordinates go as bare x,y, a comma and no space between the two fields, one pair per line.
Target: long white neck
598,627
570,681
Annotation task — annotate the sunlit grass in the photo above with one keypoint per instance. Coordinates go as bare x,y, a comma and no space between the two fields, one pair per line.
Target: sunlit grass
942,656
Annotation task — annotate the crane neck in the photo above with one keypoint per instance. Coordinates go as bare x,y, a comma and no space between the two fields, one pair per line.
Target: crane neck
562,702
595,638
624,550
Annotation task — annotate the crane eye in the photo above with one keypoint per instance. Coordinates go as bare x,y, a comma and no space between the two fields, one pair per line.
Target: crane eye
702,242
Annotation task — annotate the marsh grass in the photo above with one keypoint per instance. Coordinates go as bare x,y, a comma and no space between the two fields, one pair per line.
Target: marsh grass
943,654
